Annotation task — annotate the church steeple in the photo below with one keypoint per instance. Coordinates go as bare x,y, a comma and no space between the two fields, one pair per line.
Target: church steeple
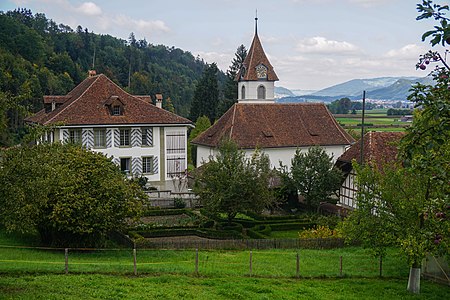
257,76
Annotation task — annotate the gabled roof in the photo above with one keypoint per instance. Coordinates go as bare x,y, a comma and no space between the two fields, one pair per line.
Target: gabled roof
255,57
276,125
379,148
87,104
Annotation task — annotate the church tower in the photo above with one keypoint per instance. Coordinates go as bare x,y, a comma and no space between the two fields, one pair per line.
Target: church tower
257,77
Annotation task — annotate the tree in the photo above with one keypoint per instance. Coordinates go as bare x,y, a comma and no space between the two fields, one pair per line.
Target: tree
232,183
398,207
69,195
312,174
201,125
206,95
413,200
231,85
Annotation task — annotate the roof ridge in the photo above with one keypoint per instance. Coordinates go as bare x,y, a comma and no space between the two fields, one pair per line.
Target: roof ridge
75,100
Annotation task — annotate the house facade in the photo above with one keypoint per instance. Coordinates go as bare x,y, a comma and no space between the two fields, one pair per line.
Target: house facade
141,138
379,148
278,130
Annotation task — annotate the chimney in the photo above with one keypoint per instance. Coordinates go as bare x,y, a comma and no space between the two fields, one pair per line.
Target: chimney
159,99
92,73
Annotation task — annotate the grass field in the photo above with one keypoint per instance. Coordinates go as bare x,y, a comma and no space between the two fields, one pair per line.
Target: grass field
167,286
30,273
376,117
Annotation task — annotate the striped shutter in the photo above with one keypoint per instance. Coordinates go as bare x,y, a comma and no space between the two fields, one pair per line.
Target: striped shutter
155,164
136,137
136,166
65,134
108,138
87,138
116,138
150,136
116,161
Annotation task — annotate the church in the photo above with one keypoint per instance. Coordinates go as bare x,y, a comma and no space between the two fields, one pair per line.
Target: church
278,130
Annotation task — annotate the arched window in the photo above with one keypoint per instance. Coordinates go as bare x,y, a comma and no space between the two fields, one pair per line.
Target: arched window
243,92
261,92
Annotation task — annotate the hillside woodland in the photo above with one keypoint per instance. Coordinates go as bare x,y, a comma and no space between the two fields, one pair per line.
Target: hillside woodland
39,57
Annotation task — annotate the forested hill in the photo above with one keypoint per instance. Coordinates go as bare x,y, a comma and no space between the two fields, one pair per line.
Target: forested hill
39,57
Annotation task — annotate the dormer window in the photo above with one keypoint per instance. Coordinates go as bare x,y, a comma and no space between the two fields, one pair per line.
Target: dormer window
243,92
116,110
115,106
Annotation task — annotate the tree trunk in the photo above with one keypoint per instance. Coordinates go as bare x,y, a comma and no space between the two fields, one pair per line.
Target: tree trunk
414,279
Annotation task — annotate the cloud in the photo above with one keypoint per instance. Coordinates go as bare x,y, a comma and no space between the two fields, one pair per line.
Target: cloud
321,45
89,9
409,51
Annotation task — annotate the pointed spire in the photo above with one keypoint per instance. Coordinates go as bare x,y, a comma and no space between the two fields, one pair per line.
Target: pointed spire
255,57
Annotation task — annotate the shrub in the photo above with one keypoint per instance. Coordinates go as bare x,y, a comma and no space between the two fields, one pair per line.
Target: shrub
320,232
179,203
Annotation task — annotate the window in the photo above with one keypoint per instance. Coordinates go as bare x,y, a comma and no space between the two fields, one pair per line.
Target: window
99,138
147,164
147,136
261,92
116,111
176,153
243,92
124,137
125,165
75,136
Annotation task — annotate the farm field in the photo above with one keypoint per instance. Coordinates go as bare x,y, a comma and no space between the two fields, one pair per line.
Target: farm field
375,120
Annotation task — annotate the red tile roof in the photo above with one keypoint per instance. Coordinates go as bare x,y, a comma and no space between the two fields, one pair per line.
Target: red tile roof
85,105
276,125
379,148
255,57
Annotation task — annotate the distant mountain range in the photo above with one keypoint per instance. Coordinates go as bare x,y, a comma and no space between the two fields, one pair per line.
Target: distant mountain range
383,88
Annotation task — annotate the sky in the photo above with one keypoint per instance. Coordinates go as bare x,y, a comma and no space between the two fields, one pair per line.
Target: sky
312,44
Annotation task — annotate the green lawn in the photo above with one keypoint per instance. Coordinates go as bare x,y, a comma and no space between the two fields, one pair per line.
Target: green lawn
167,286
30,273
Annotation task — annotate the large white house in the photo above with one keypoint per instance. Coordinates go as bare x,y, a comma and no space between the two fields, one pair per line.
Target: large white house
278,130
142,138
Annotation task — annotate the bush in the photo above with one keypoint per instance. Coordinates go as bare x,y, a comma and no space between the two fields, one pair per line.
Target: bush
320,232
179,203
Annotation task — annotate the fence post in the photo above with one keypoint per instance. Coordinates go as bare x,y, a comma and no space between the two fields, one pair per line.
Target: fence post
134,261
340,265
66,258
381,266
297,273
196,261
251,262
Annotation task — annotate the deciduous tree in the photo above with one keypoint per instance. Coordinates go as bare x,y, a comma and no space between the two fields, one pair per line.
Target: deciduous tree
231,183
312,174
71,196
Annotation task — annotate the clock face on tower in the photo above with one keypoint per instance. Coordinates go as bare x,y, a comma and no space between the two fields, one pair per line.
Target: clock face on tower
261,71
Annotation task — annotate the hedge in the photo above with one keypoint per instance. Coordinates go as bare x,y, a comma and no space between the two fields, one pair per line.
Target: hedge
291,226
206,233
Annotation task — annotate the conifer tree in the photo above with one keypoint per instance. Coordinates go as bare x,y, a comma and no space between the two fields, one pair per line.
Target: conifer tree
231,86
206,95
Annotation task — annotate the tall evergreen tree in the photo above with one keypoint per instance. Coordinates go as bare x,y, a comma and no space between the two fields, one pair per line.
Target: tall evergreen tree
206,95
230,90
